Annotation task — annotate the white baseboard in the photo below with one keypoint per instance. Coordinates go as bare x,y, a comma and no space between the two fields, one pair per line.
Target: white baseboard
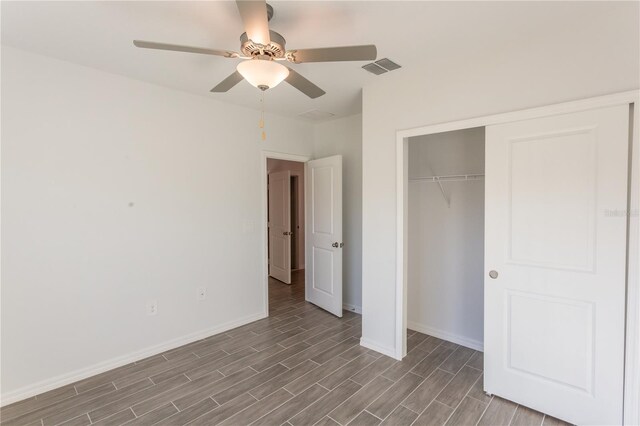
83,373
352,308
384,350
444,335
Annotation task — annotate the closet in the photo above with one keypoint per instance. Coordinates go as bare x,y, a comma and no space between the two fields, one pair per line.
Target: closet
446,235
515,242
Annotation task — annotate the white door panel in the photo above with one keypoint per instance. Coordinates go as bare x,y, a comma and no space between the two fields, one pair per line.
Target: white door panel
280,226
323,192
554,316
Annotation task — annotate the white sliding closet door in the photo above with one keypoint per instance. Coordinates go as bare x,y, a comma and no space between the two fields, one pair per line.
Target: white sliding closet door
555,263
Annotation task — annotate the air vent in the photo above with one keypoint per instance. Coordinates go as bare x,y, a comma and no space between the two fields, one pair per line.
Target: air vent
387,64
374,69
381,66
316,115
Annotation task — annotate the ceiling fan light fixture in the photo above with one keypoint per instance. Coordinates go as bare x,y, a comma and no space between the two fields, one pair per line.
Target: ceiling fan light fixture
263,73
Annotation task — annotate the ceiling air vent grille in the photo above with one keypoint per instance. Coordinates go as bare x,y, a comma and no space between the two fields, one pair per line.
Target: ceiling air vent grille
374,69
381,66
387,64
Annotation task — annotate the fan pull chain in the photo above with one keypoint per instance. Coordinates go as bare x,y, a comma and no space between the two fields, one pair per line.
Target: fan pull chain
264,135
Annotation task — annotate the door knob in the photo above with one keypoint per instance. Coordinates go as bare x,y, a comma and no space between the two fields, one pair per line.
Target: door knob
493,274
336,245
287,233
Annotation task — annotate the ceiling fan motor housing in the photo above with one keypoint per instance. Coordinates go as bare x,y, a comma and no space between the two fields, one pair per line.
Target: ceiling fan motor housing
275,49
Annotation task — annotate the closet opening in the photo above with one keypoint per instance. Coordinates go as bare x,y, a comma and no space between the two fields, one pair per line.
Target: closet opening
445,242
552,257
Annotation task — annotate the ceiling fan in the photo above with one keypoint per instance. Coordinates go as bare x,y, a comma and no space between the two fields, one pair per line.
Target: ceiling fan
262,50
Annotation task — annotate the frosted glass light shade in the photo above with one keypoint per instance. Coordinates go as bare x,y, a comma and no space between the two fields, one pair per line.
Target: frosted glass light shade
263,74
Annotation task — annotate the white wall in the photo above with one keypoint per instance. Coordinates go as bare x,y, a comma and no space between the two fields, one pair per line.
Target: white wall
545,71
445,283
344,137
296,169
116,192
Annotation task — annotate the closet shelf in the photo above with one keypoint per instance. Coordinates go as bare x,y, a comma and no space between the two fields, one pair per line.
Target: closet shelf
448,178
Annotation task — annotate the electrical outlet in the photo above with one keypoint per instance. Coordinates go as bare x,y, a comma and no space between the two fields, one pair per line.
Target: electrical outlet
152,307
202,293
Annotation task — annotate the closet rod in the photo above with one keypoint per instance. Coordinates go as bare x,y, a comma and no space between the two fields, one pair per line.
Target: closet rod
449,178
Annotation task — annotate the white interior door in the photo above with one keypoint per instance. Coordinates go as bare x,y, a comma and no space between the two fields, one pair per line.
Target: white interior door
323,207
554,315
280,226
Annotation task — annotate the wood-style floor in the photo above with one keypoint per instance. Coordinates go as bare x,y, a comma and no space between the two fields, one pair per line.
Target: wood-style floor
300,366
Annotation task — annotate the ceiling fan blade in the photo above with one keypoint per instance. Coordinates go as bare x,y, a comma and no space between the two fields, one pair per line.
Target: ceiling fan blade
255,19
179,48
228,83
333,54
303,85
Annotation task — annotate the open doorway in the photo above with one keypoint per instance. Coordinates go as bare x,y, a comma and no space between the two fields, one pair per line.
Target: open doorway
285,221
303,244
445,256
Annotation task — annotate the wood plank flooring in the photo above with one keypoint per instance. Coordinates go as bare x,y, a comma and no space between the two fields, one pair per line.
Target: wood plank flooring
300,366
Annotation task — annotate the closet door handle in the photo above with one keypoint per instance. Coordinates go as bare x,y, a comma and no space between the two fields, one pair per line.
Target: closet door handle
335,245
493,274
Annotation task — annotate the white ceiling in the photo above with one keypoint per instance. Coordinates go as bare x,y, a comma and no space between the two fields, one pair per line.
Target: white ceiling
417,35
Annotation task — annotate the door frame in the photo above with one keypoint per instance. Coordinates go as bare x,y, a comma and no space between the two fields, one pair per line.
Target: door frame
265,155
632,339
